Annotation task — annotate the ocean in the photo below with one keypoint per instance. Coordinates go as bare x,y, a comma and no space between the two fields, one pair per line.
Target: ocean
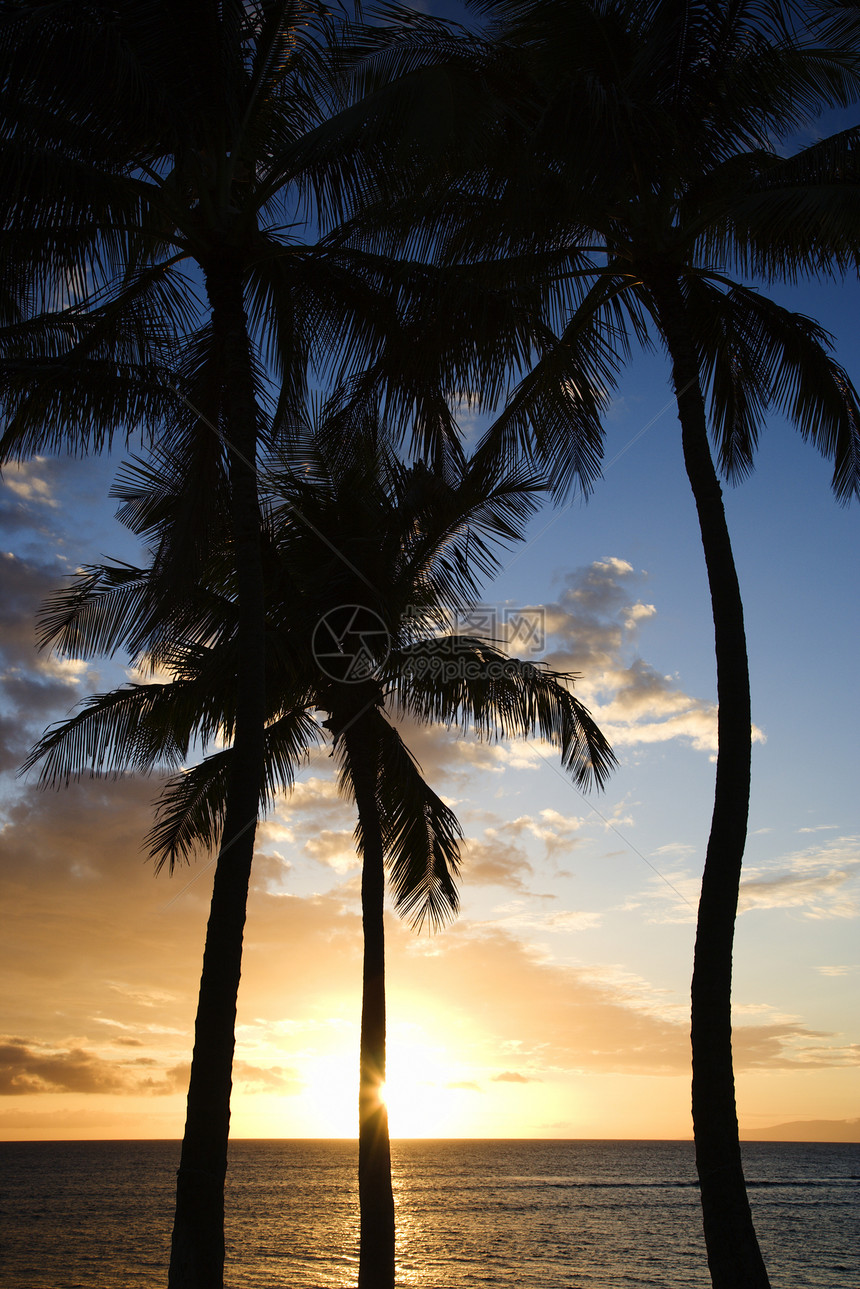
538,1214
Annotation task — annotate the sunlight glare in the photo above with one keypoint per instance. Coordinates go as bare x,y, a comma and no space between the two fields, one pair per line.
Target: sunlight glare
417,1093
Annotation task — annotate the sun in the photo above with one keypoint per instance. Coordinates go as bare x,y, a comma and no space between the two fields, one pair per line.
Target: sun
417,1091
431,1089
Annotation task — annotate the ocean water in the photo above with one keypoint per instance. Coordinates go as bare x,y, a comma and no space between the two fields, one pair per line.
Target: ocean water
538,1214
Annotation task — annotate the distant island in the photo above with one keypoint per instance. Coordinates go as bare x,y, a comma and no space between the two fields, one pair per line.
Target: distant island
806,1130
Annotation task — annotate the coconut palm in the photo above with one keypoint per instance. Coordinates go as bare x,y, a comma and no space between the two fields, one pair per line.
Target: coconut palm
366,559
146,161
640,168
164,171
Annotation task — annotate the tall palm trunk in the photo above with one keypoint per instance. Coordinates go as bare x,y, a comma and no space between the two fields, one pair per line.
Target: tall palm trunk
375,1196
734,1256
197,1253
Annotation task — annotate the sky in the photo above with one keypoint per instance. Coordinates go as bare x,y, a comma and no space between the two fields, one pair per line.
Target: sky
557,1003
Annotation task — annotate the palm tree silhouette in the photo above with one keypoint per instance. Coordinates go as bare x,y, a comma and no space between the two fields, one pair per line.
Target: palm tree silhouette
638,169
166,173
366,558
152,167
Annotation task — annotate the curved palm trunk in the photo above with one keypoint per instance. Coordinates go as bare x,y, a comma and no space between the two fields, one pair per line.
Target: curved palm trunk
375,1196
734,1256
197,1252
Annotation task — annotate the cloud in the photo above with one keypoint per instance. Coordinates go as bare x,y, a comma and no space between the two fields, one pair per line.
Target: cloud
558,832
500,859
29,480
313,804
23,585
561,1019
677,849
93,927
521,919
121,953
33,685
25,1069
35,495
593,629
334,850
143,997
572,920
309,796
14,745
173,1080
496,863
814,892
305,820
454,756
273,1078
28,1068
789,1046
820,882
511,1076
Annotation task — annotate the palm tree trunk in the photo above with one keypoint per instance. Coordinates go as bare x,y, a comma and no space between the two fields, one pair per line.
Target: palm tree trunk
734,1256
375,1196
197,1252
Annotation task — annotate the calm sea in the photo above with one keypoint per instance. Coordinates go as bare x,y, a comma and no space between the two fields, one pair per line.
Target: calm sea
540,1214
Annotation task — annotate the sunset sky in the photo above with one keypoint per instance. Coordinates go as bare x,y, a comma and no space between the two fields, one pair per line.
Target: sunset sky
557,1004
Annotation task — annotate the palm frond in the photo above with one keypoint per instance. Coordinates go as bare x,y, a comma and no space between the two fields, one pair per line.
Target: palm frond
793,216
97,613
421,836
191,808
135,728
189,814
758,354
461,681
555,412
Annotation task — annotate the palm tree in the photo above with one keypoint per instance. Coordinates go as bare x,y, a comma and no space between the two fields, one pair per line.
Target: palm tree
365,559
165,167
638,168
164,128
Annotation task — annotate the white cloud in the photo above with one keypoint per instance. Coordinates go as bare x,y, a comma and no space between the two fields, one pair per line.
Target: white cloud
638,613
555,830
560,923
819,882
333,849
679,849
27,480
594,629
496,862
